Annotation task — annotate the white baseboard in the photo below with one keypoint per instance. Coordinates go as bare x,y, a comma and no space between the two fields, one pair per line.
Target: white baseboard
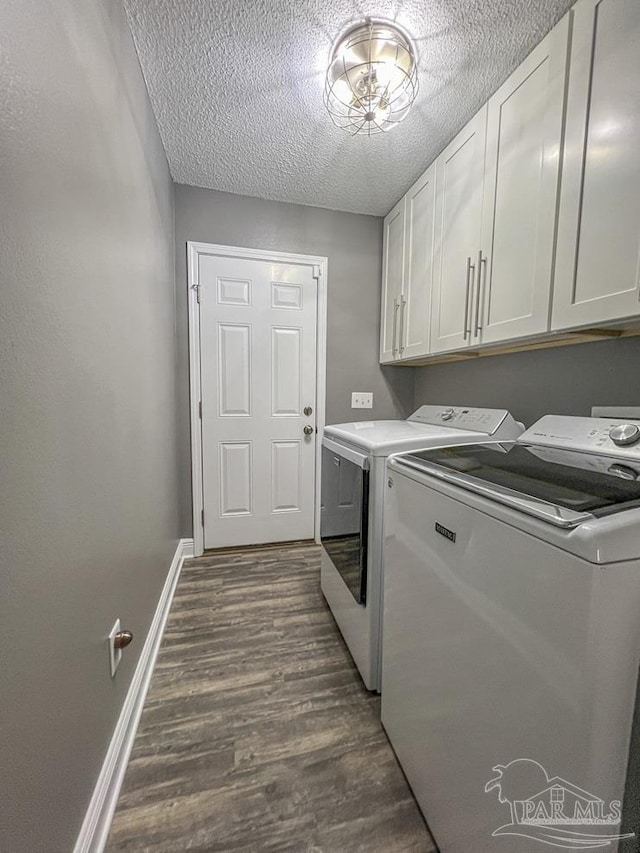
97,821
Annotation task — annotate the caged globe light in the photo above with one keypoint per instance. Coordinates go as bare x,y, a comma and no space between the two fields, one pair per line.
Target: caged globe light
372,78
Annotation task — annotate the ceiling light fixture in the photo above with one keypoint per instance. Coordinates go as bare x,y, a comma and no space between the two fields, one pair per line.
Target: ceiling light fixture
372,78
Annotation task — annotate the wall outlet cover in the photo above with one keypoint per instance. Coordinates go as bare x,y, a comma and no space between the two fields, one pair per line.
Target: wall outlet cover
115,655
362,400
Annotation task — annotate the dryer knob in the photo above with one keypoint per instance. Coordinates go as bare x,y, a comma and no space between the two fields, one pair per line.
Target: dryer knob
624,434
447,414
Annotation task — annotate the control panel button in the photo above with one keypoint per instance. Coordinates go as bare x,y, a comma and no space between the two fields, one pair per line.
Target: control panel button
623,434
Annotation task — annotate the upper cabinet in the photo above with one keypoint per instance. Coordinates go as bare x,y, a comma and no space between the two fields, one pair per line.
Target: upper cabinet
418,267
497,192
534,224
407,270
459,180
522,168
392,274
597,266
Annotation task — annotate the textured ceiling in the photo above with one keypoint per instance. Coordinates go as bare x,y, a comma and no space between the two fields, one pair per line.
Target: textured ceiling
236,86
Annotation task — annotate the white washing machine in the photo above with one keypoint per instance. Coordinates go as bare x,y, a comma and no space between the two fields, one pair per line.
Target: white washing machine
353,479
512,637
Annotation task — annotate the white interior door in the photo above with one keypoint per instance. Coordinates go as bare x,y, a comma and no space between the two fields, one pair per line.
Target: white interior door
258,331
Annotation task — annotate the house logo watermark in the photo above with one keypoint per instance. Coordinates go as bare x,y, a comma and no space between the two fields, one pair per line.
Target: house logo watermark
553,811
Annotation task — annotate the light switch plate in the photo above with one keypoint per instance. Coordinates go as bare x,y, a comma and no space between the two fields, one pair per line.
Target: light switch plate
115,655
362,400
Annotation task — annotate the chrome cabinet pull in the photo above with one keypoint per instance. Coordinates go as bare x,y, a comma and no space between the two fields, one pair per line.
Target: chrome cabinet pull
403,305
482,264
466,299
395,326
467,295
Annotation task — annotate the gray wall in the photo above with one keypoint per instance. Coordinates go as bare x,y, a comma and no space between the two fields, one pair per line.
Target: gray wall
563,380
88,467
353,244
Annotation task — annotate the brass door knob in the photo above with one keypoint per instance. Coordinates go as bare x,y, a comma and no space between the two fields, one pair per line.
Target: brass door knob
308,430
122,639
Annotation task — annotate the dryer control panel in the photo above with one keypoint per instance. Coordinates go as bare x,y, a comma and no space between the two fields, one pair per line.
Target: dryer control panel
588,435
461,417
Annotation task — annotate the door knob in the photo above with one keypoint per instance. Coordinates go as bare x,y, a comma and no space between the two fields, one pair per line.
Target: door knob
308,430
122,639
308,410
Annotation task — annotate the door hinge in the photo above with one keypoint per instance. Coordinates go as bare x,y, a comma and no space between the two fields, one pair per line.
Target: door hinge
316,270
202,516
200,409
196,287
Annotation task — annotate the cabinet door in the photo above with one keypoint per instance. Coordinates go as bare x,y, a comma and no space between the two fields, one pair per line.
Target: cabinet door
459,175
392,273
524,138
597,266
415,300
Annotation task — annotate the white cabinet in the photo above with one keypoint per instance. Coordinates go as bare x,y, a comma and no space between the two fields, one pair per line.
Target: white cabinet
392,273
536,211
497,191
406,277
597,274
459,181
524,137
415,299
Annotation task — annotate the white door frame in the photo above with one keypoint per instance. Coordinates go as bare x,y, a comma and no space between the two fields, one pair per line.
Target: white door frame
194,250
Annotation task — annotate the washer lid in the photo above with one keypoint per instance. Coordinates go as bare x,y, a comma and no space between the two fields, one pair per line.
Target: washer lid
564,487
380,438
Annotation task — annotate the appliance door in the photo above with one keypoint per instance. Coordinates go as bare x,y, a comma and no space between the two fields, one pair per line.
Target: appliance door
344,516
561,487
498,647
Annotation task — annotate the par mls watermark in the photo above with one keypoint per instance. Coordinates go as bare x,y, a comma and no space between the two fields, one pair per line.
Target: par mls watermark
552,810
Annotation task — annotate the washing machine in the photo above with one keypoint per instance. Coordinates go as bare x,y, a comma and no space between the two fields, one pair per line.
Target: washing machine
511,642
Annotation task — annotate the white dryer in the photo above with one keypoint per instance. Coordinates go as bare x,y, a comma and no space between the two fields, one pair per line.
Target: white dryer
512,636
353,484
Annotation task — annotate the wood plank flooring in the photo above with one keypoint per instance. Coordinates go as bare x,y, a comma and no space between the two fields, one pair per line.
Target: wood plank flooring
257,733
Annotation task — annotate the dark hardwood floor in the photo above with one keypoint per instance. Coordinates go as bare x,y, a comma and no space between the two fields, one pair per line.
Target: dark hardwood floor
257,733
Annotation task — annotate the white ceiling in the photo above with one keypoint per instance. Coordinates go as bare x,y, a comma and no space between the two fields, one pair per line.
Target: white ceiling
236,86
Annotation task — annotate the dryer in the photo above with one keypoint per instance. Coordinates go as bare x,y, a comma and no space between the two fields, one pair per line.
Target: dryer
353,482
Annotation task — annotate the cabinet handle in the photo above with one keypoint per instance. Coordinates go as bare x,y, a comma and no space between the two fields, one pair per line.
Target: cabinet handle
482,262
403,305
395,326
468,291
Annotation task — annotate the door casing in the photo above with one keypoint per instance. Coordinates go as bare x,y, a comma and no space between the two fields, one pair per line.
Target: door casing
194,251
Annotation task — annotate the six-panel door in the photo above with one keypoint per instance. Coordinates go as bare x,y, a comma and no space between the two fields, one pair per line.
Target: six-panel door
258,373
597,276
